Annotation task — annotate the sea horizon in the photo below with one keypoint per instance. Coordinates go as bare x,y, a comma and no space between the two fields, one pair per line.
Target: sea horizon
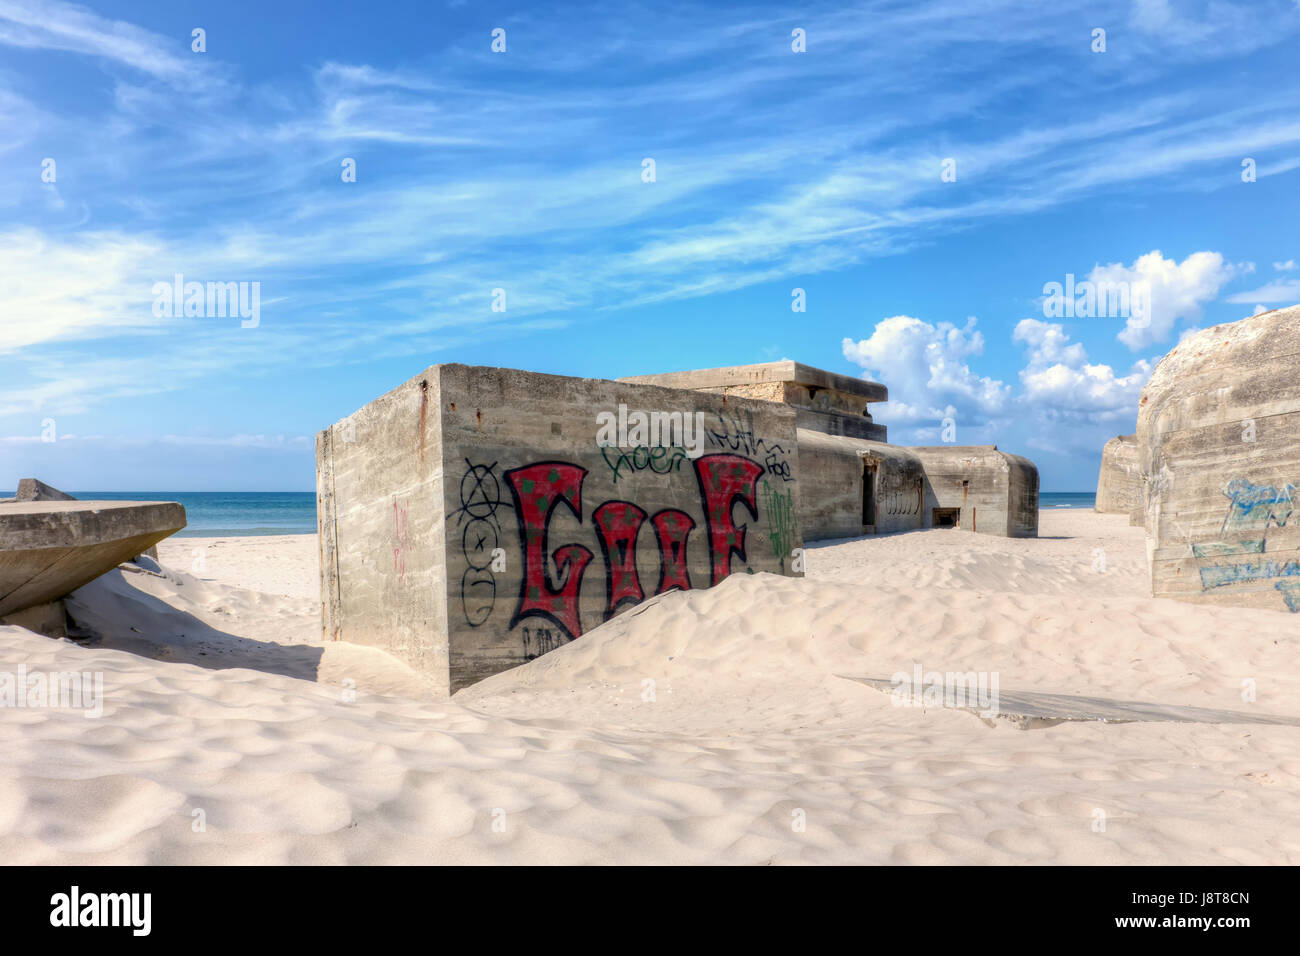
241,514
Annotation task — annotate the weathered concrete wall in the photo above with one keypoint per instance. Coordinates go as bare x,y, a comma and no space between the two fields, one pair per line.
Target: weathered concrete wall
379,493
824,401
831,486
1219,451
1119,482
517,532
993,492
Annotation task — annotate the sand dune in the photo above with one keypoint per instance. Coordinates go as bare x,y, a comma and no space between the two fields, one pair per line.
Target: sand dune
700,727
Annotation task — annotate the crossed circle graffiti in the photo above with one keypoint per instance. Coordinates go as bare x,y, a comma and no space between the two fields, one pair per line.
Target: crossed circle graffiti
480,496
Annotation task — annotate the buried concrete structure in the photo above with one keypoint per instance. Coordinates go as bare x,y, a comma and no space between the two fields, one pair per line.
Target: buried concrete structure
1219,453
475,518
823,401
1119,481
853,487
854,483
52,544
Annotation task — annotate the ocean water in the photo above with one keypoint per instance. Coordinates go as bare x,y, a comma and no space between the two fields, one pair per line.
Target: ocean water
230,514
1048,500
234,514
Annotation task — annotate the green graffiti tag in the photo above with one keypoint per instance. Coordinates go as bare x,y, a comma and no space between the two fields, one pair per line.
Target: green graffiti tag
661,459
779,506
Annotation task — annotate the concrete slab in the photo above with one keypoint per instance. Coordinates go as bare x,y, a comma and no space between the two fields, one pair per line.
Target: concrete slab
823,401
50,548
1031,710
766,372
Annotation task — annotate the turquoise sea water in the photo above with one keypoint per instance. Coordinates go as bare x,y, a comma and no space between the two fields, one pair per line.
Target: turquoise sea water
1048,500
230,514
239,514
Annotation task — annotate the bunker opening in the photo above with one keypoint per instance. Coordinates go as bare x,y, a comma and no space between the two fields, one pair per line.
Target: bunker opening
945,517
868,494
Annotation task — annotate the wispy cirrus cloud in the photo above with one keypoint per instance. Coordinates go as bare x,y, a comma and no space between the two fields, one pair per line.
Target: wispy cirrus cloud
524,171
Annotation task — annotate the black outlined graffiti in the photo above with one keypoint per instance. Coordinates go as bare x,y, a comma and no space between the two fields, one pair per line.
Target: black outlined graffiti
734,432
540,640
660,459
480,497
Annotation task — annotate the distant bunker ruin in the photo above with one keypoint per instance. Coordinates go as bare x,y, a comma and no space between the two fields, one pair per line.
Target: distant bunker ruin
1119,481
1220,462
475,518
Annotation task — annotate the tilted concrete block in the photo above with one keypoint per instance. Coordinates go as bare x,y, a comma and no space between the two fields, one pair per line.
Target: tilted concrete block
50,548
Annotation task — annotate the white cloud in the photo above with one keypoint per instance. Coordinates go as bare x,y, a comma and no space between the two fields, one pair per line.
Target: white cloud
58,289
1178,290
1061,383
925,367
1289,265
51,25
1279,290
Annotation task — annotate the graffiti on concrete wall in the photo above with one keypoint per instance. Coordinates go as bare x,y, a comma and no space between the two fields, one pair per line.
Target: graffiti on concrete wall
480,497
728,488
778,504
660,459
540,640
1239,557
734,432
903,501
401,536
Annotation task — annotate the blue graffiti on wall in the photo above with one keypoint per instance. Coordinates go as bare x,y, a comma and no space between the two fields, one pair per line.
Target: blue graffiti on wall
1256,507
1252,510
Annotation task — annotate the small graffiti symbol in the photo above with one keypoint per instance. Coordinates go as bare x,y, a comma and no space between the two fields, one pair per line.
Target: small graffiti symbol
480,497
401,536
541,640
480,493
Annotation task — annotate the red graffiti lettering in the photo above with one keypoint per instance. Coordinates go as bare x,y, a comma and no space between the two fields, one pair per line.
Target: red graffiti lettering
724,480
672,527
538,490
619,522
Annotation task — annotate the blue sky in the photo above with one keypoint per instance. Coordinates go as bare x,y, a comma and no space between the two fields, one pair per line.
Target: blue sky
522,170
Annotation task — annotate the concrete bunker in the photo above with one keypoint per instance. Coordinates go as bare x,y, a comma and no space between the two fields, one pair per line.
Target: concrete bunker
471,520
1119,480
1220,463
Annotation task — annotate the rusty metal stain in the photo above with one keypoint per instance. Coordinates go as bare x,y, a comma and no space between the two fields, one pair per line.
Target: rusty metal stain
424,414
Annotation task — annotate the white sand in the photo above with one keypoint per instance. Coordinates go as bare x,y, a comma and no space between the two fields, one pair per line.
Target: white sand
749,727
